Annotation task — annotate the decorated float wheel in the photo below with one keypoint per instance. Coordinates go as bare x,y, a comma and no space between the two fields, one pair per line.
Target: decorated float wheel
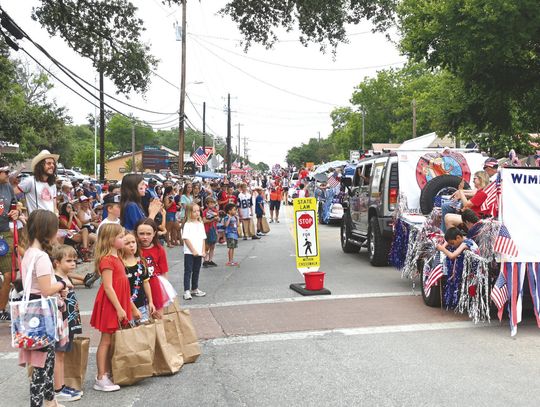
345,234
436,187
434,297
378,245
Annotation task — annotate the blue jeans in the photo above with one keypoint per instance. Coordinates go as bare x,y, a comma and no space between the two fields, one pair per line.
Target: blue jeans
447,207
192,267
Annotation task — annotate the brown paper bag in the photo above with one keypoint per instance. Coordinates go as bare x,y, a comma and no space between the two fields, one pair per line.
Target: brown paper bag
167,359
251,231
76,362
190,345
133,354
265,227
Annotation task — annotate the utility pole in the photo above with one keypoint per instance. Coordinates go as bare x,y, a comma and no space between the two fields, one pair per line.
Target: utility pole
95,137
319,137
101,128
181,113
239,148
414,118
245,148
229,155
133,166
204,129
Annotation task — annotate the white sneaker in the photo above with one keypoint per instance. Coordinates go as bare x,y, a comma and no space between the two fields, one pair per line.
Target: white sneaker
198,293
187,295
105,384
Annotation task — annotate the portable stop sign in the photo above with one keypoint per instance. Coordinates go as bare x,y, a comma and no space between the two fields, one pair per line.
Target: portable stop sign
307,240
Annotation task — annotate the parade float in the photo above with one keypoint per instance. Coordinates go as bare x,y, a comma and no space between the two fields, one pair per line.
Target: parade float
507,259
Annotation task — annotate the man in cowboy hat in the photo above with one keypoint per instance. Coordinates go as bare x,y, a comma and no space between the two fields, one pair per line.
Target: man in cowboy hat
8,213
40,190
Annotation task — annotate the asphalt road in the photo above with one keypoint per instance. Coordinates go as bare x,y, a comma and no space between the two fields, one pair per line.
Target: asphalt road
372,343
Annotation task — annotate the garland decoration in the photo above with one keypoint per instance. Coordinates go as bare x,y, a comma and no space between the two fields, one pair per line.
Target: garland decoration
474,297
400,242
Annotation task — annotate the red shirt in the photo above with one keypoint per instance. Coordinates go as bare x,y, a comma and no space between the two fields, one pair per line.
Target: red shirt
477,200
73,225
210,214
303,174
232,199
156,260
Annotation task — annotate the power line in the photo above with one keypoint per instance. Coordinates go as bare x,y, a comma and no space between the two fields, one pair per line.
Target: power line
72,74
263,81
77,93
304,68
278,41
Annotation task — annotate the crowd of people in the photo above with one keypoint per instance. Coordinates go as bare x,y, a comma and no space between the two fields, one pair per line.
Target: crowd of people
52,225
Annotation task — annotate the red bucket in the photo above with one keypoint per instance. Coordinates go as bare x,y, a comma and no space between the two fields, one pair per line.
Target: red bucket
314,280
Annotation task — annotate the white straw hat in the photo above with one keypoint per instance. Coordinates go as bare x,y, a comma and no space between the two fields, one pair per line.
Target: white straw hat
44,154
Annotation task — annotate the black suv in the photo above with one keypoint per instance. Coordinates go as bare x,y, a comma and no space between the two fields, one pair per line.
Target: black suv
372,195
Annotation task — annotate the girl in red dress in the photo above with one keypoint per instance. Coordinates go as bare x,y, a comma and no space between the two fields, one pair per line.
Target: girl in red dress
156,261
113,300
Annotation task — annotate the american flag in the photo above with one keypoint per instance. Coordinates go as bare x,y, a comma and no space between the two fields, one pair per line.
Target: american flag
332,182
499,293
435,275
199,157
493,192
504,243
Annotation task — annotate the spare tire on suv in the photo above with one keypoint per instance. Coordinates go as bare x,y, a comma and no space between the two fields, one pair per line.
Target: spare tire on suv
441,185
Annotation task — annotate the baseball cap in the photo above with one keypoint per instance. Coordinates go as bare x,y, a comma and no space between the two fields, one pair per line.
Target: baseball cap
111,199
491,163
67,184
83,198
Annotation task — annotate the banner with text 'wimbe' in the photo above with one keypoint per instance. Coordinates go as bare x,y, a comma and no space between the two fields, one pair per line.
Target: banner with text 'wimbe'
520,210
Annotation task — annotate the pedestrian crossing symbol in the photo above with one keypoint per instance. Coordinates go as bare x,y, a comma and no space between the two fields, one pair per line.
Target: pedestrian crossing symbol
307,241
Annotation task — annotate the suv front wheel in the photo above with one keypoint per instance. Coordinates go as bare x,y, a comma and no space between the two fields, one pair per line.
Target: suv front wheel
378,245
345,233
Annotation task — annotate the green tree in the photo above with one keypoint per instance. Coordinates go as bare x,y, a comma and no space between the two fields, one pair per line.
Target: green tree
106,32
323,22
138,165
27,117
314,151
261,166
492,47
118,132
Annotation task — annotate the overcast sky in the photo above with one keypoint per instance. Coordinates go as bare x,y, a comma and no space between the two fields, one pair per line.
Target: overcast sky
278,106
